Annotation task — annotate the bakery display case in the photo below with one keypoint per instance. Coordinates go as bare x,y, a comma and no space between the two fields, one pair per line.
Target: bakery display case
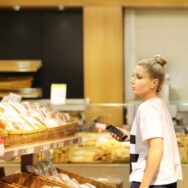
27,128
95,148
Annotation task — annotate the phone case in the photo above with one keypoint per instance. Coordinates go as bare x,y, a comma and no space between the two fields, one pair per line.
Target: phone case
116,131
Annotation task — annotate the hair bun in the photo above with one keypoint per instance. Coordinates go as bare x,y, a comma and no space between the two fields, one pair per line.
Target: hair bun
159,59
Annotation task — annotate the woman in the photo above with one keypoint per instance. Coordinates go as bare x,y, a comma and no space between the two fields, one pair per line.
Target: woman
154,152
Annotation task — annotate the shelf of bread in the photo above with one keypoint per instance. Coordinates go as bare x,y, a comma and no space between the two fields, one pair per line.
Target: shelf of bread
27,122
95,148
29,148
20,65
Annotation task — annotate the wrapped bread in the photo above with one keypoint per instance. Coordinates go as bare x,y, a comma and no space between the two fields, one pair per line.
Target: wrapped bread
28,116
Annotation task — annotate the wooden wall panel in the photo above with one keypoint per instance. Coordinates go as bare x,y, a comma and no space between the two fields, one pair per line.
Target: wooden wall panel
103,57
127,3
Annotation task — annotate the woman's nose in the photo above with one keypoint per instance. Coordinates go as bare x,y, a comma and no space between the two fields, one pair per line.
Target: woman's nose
132,80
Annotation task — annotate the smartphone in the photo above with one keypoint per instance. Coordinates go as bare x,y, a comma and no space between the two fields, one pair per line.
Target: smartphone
116,131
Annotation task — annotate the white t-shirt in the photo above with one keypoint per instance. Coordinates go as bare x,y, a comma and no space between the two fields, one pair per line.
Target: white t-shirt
154,120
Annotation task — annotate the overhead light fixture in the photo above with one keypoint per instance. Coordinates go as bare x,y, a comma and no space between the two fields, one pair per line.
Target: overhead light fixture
17,7
61,7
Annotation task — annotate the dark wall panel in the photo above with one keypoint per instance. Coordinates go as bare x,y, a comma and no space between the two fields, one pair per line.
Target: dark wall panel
19,35
53,36
62,51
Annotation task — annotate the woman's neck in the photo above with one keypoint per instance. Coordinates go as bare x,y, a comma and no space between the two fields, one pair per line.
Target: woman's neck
149,96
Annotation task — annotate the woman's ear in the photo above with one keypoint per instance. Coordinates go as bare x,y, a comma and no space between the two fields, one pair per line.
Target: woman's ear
155,83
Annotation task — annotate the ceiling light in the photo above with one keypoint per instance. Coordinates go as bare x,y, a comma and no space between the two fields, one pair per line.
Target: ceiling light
61,7
17,7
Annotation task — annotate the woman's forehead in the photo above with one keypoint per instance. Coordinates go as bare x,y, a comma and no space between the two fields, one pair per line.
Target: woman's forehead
140,69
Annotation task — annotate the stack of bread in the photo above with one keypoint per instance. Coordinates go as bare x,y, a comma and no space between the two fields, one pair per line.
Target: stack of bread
95,148
28,116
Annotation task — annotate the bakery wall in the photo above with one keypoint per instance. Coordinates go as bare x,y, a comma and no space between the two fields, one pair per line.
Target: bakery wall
53,36
151,31
103,62
159,31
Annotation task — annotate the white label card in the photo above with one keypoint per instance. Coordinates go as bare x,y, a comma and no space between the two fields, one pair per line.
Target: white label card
58,94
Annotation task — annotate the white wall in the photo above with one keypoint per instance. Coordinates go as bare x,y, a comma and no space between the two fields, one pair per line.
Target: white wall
158,31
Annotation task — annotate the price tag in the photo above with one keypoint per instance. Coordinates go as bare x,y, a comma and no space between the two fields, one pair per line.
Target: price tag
45,147
30,150
2,147
58,94
60,144
56,145
22,152
37,149
67,142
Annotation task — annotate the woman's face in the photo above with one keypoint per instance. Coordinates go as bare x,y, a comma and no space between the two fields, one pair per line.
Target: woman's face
142,84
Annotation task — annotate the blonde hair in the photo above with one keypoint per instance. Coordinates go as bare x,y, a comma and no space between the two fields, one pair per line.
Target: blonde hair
155,68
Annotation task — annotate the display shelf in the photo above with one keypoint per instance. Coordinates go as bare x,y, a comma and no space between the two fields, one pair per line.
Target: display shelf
31,148
31,93
71,105
20,65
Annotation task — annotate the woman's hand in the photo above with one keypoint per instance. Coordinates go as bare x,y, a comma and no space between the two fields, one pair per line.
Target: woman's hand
124,131
102,127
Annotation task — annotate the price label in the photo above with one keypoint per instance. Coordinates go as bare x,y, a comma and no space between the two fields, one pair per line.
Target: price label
22,152
37,149
30,150
56,145
45,147
68,142
58,94
60,144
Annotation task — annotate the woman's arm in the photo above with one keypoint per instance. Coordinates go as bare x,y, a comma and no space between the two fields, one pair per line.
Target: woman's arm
153,161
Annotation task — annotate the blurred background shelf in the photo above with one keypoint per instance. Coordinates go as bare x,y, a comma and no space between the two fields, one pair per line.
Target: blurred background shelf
29,93
20,65
31,148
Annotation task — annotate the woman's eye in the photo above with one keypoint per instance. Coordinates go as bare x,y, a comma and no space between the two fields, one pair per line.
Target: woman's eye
139,77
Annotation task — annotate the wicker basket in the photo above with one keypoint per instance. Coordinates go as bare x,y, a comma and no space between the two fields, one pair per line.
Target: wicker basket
82,179
62,131
8,185
34,181
12,138
31,181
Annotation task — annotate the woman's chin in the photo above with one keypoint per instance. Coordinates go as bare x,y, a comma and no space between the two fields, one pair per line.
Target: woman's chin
134,92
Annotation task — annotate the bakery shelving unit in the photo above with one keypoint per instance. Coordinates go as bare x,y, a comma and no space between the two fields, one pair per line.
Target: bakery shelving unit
26,151
19,67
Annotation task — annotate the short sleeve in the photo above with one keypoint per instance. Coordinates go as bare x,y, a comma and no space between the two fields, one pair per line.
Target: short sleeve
151,124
